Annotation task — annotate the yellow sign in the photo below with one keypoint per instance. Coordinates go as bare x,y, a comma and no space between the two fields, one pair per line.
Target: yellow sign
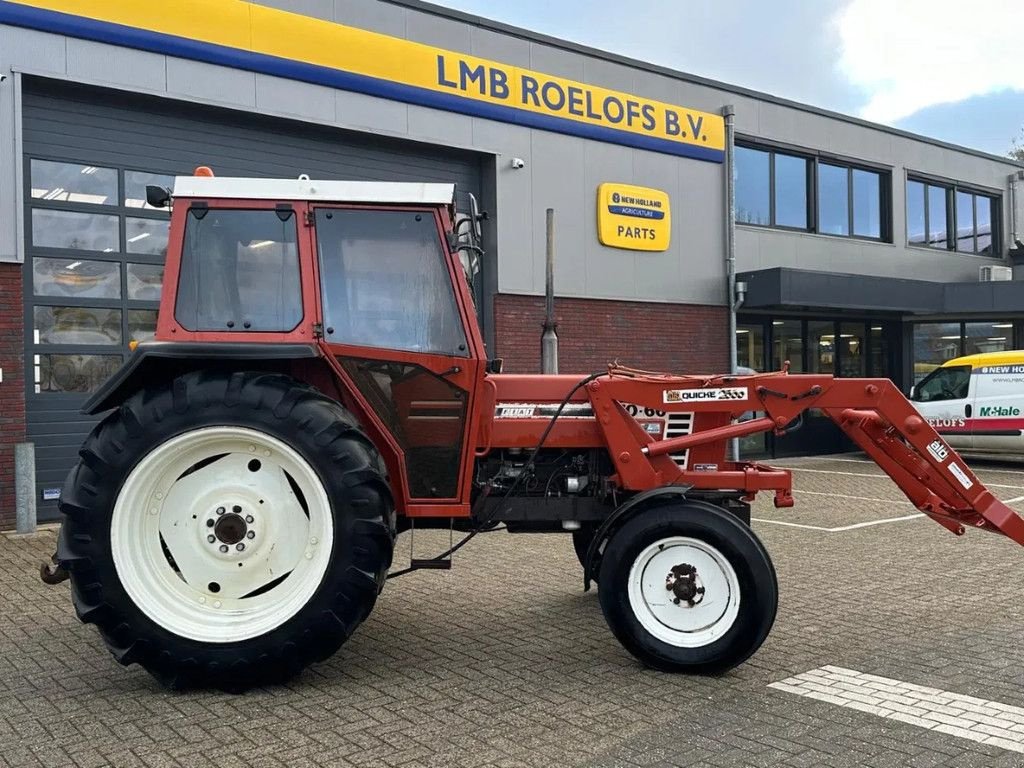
636,218
261,39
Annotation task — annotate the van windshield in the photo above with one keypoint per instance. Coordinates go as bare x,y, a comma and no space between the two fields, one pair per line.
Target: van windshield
951,383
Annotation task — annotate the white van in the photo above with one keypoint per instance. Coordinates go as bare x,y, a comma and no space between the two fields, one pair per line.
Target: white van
976,402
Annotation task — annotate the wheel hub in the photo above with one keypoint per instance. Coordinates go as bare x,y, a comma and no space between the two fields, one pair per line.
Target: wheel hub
230,528
682,582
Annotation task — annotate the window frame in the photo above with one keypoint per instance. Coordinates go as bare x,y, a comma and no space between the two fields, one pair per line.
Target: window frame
813,160
118,256
241,206
950,189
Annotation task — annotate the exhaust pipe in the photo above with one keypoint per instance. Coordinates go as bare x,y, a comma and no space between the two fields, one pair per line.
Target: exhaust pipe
549,336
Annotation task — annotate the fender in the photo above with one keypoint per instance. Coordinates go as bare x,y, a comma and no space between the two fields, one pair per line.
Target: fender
621,512
167,359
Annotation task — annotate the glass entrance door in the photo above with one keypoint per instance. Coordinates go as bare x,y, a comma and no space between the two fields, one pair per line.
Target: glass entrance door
842,348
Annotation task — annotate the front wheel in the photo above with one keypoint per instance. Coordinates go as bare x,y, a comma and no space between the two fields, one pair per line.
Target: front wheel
687,587
226,529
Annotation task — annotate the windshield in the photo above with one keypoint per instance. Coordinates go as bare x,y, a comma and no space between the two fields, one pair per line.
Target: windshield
951,383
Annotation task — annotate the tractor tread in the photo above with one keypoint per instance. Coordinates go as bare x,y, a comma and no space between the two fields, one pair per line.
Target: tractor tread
326,435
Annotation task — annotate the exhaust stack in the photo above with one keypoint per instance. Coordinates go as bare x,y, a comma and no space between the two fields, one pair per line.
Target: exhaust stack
549,336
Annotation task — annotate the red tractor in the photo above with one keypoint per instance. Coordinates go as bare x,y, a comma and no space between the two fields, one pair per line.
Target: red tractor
319,383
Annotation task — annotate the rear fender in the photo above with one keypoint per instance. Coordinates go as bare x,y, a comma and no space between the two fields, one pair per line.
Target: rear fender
164,360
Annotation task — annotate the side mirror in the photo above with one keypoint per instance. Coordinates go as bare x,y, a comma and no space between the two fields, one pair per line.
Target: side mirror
913,391
475,217
158,197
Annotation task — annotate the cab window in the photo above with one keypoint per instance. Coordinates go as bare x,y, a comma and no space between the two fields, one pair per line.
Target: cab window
951,383
385,282
239,271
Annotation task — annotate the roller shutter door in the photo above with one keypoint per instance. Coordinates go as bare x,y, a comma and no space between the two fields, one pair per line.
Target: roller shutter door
94,252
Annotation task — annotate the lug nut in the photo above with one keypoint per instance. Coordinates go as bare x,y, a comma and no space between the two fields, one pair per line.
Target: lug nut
236,509
240,546
221,510
211,538
251,535
209,523
249,518
223,547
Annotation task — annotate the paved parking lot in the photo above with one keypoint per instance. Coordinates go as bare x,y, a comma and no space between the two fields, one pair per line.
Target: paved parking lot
506,662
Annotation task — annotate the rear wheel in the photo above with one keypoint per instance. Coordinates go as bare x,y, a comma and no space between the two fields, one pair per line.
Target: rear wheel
687,587
226,530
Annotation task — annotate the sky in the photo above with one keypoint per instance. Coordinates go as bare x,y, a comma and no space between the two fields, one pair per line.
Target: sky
951,70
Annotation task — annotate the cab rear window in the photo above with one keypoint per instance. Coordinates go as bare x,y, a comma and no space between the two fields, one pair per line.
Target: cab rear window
239,271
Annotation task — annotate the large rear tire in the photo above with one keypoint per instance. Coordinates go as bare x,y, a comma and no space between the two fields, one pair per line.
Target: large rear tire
226,530
688,587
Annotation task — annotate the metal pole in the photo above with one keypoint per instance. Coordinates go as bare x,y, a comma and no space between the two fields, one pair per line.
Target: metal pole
729,113
25,487
549,337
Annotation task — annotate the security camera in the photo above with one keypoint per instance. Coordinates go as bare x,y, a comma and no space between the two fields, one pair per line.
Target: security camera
518,162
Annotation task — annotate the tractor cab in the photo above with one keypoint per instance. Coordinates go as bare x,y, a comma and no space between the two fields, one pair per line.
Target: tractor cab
376,274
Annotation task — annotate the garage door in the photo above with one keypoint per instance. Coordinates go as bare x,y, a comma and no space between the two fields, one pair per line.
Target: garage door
95,251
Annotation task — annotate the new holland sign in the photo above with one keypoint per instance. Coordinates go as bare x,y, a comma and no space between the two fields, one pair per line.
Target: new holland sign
261,39
635,218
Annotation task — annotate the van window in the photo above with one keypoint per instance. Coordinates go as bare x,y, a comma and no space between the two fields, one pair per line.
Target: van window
944,384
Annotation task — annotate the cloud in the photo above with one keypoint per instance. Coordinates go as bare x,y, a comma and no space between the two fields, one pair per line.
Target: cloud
906,55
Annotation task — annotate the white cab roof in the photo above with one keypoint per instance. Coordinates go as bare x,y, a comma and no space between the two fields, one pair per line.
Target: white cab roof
314,189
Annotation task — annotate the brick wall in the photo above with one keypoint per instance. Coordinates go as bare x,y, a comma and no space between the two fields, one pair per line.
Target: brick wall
678,338
12,389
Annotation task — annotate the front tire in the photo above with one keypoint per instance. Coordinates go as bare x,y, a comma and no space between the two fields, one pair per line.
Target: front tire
226,530
687,587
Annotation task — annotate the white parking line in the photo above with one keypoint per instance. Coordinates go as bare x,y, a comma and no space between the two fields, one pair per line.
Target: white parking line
981,720
874,474
855,498
840,528
994,470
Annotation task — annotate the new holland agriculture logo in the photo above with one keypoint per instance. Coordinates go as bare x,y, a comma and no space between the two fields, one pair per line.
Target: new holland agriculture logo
634,218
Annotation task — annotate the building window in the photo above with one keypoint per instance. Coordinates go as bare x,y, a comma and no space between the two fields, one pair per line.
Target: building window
93,270
951,218
805,193
771,188
936,343
753,186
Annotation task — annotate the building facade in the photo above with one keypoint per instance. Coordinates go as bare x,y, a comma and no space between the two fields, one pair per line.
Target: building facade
859,247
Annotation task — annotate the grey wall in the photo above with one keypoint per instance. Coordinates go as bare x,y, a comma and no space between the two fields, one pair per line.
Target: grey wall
560,172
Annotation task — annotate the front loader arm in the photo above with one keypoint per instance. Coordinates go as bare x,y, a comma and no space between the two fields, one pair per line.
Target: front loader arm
873,412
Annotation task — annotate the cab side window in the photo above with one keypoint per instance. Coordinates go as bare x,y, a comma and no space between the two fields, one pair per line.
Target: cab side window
385,282
944,384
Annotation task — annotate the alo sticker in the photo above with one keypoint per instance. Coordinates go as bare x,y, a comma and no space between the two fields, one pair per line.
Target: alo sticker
960,475
938,451
705,395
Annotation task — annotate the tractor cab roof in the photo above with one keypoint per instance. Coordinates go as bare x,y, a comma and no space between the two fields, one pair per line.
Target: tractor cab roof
377,192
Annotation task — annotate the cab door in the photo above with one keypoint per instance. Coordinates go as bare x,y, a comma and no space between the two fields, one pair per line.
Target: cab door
394,316
946,400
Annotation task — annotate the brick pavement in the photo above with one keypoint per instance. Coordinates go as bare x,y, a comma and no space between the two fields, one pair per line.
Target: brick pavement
506,662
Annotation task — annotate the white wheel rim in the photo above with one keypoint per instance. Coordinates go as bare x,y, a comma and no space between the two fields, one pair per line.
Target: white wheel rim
245,482
684,624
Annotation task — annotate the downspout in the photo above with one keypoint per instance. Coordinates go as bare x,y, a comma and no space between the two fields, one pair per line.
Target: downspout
1014,218
729,112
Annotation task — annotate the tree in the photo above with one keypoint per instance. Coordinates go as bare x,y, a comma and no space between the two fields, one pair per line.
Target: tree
1017,147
